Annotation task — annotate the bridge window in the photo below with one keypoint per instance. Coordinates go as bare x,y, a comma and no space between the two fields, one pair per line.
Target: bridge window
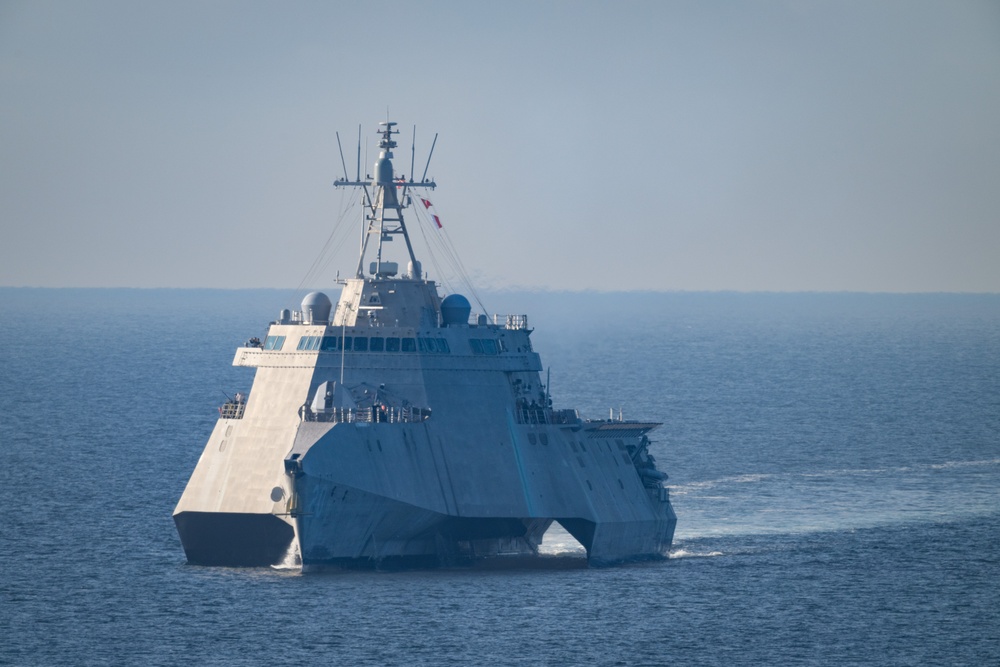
486,346
364,344
433,345
274,342
309,343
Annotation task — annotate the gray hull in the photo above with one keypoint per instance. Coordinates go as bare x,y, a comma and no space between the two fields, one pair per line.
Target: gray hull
382,492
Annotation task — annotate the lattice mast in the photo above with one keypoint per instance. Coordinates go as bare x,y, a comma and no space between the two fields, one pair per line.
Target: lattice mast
384,198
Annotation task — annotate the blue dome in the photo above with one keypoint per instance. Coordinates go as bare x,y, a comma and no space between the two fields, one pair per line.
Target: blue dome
455,309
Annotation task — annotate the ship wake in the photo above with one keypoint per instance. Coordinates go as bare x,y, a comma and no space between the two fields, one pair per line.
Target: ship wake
292,560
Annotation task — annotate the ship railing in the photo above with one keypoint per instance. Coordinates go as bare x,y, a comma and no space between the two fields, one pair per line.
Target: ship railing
539,415
232,410
376,415
515,322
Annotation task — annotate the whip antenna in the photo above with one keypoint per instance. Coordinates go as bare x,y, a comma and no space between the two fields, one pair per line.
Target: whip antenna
358,177
433,144
413,151
341,149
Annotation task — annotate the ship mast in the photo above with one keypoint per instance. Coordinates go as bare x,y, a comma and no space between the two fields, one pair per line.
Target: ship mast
384,204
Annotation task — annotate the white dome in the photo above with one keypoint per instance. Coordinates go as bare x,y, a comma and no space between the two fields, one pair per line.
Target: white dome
316,308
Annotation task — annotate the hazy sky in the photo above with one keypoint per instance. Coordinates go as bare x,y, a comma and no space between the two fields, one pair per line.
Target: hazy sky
583,145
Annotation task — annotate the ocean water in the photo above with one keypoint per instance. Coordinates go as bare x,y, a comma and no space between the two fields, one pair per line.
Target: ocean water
834,462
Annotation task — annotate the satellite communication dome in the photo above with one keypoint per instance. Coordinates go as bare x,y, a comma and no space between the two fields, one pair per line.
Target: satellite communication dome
455,309
316,308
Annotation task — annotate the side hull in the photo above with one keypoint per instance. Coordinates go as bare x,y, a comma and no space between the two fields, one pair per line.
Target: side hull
346,527
379,492
233,539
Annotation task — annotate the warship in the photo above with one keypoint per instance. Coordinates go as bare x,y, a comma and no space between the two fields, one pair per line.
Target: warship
399,429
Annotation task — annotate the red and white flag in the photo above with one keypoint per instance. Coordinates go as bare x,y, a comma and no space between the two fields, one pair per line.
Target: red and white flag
427,204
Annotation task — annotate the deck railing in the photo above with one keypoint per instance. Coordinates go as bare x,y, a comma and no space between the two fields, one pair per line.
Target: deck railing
516,322
539,415
380,415
232,410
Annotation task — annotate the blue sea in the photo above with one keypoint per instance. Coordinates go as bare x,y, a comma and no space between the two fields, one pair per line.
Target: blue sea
834,463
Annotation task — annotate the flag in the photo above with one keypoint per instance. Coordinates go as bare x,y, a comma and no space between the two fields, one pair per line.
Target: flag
427,204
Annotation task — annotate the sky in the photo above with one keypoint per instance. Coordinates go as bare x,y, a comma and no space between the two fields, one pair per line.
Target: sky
669,146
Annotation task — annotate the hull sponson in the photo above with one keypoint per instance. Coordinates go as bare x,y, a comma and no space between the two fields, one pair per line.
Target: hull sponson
232,539
378,491
340,524
241,474
610,543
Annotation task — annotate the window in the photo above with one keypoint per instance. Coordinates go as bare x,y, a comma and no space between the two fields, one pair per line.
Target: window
360,344
309,343
392,345
274,342
409,345
377,344
329,344
483,346
346,340
433,345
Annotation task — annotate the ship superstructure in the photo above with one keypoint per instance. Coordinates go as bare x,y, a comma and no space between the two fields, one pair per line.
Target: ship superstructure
394,428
